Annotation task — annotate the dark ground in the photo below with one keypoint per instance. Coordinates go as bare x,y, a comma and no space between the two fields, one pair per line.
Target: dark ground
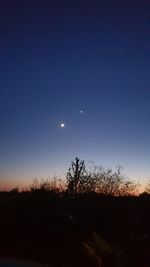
46,228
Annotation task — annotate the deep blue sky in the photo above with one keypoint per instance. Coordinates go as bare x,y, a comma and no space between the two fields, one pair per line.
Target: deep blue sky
58,57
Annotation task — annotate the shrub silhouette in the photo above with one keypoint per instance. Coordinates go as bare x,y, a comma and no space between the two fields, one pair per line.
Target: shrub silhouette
110,182
147,188
47,185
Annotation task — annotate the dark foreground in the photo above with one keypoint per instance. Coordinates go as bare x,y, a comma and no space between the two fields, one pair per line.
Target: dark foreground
17,263
51,229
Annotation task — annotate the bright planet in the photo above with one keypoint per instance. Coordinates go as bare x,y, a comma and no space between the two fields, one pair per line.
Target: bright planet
62,125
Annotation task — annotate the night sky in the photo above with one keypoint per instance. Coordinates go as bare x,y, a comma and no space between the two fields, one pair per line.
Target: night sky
58,58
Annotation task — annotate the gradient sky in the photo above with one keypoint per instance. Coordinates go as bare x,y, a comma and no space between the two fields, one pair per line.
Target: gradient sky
58,57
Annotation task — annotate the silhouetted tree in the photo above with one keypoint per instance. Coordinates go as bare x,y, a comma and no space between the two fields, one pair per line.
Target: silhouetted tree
77,176
109,182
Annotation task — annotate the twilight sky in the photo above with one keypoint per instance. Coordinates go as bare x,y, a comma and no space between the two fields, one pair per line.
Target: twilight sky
60,57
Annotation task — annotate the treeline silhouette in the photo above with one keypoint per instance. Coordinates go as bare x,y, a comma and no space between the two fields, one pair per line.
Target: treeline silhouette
94,218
